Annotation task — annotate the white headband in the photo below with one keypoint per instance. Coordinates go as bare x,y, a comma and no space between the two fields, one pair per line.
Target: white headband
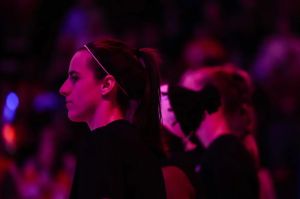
102,67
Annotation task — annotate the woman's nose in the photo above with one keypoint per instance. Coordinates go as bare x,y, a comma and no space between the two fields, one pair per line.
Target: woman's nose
64,88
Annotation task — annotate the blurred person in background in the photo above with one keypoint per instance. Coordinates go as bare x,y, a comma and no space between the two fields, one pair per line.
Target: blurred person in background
276,72
236,89
83,22
226,135
44,174
8,187
115,90
200,51
183,150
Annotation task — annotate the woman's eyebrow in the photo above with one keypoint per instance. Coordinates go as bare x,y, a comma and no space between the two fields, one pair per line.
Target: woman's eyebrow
72,72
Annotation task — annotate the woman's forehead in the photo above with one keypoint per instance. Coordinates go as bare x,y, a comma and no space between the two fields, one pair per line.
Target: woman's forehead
80,61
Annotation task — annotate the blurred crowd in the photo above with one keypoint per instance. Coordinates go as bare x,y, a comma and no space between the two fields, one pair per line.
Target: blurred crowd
37,39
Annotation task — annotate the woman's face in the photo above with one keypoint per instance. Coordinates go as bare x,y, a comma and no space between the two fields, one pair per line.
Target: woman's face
81,89
168,116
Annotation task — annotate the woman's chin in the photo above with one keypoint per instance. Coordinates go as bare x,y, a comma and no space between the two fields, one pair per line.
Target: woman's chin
74,118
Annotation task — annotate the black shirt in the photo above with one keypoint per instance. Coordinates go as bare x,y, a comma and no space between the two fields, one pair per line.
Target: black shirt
224,170
228,171
115,163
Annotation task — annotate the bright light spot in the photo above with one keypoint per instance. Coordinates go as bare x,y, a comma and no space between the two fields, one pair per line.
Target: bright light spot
9,134
12,101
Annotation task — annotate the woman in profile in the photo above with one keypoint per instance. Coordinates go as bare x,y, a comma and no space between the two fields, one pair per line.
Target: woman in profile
115,90
210,111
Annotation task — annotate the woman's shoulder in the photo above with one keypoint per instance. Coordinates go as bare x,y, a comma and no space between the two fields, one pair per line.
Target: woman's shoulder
226,142
228,148
124,139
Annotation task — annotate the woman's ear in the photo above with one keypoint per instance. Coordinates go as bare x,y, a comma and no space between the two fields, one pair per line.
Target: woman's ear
108,84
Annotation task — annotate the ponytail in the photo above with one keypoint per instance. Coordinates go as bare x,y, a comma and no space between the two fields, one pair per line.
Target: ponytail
148,116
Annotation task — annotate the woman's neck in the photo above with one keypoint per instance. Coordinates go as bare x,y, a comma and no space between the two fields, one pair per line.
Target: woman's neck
211,128
105,115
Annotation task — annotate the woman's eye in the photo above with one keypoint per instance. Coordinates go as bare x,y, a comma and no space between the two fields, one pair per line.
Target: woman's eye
74,78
